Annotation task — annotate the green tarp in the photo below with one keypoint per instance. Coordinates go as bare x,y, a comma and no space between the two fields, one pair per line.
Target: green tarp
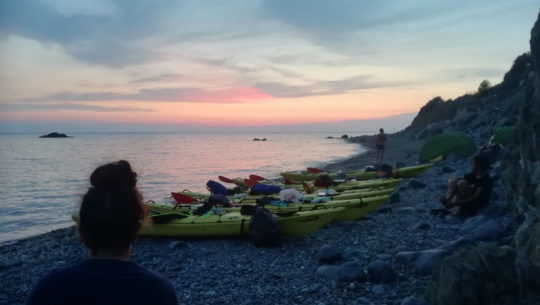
503,135
447,143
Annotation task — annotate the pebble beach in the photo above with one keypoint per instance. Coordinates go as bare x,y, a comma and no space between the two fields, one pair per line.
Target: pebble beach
385,258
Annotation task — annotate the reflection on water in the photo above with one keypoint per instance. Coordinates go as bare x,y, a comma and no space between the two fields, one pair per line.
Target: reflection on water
42,180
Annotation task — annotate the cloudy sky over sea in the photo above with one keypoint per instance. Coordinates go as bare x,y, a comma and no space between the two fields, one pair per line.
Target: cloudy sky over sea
247,62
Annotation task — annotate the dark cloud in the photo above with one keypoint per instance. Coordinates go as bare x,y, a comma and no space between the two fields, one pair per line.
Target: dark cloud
67,106
109,40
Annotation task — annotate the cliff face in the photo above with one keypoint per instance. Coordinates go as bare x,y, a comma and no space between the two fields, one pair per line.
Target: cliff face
523,174
477,114
485,274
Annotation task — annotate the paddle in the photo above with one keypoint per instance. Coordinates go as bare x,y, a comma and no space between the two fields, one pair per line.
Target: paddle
250,183
314,170
226,180
256,178
182,198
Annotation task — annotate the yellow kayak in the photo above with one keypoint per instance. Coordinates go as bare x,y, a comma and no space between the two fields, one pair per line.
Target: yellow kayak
410,171
404,172
236,224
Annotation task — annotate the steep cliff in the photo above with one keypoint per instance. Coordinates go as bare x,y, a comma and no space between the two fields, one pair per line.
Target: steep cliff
523,174
478,114
486,274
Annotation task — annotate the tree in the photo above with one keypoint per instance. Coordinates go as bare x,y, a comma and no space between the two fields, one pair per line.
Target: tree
485,85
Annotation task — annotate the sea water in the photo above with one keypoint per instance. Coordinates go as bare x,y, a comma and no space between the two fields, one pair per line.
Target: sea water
42,180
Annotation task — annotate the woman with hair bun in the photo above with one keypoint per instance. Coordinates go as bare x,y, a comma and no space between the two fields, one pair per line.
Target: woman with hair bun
110,216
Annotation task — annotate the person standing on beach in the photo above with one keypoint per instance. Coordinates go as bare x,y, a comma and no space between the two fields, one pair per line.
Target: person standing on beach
110,217
380,141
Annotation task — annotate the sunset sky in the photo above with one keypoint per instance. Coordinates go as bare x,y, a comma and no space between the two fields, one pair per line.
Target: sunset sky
120,63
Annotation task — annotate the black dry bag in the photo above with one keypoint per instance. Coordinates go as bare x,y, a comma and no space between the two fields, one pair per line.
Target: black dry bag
264,228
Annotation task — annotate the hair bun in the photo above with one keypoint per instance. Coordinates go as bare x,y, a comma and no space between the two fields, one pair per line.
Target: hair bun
113,176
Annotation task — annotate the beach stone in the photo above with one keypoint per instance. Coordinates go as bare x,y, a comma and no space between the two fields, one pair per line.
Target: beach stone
394,198
328,253
427,260
495,209
488,231
405,210
412,300
177,244
475,275
415,184
210,293
380,272
422,225
353,254
351,271
7,263
470,225
406,257
448,169
455,244
328,272
401,248
378,289
362,300
384,210
384,257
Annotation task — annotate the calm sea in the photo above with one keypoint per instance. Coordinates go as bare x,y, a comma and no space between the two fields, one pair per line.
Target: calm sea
42,180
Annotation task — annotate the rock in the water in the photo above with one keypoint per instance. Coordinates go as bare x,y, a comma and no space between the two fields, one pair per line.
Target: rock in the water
488,231
412,300
427,260
329,272
351,271
378,289
380,272
328,253
483,275
415,184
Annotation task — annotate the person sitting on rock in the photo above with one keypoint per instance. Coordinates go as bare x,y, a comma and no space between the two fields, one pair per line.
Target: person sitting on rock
110,217
471,192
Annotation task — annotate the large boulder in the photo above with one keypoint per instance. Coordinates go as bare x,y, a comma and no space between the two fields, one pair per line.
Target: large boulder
482,275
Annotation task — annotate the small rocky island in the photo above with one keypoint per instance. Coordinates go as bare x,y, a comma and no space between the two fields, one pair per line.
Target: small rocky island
55,135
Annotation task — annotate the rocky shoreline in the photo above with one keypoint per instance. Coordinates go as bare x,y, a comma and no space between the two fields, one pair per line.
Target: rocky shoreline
385,258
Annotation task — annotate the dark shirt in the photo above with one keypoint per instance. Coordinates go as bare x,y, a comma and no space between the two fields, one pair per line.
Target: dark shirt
103,281
486,184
